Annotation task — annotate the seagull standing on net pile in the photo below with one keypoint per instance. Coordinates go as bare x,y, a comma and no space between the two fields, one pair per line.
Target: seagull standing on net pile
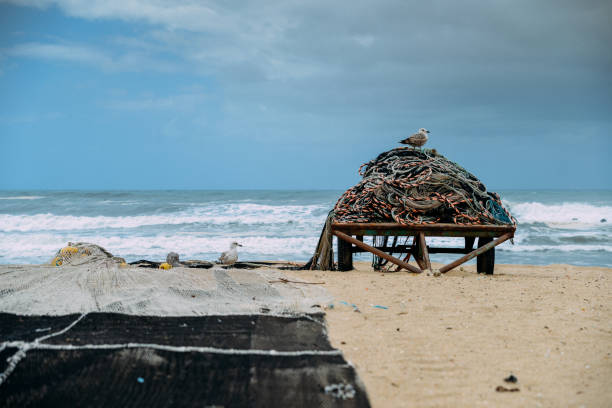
230,256
418,139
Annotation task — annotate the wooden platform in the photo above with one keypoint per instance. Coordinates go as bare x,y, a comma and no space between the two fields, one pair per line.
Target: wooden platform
350,240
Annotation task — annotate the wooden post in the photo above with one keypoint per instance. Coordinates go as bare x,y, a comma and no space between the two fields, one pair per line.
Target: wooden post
423,254
345,256
469,243
485,263
375,251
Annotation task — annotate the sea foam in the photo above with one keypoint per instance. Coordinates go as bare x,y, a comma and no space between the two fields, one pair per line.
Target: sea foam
245,214
42,246
565,215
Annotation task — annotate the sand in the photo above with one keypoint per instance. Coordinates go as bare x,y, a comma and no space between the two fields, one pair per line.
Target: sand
450,341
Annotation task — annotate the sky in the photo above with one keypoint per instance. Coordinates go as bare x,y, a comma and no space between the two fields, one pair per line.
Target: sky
158,94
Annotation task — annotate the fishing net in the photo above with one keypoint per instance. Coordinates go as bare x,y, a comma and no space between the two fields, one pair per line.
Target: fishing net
96,332
111,359
82,253
181,291
410,186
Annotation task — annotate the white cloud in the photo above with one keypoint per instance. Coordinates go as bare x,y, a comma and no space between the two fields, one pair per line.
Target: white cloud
179,102
73,53
207,36
364,40
90,56
186,15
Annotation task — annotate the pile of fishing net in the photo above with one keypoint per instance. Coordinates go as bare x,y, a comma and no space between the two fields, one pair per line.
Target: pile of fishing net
410,186
81,253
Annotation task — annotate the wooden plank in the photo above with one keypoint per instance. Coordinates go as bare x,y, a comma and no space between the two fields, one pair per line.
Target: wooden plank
475,253
411,232
375,251
393,226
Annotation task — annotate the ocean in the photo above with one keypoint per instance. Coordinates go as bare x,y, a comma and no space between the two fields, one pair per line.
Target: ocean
573,227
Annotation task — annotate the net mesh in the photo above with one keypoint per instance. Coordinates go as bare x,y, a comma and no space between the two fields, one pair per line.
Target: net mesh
409,186
85,360
94,331
108,287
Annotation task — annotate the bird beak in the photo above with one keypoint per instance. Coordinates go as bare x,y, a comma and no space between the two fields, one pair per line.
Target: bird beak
428,131
239,245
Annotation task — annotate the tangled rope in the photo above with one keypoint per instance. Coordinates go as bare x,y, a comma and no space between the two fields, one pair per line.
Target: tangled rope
409,186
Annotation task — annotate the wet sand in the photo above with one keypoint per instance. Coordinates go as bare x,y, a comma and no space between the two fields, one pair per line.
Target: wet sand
451,340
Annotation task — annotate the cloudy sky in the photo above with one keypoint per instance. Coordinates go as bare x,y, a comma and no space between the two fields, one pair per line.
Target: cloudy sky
137,94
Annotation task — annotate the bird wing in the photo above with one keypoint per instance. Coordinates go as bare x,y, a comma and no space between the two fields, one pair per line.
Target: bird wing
410,139
417,140
223,256
418,137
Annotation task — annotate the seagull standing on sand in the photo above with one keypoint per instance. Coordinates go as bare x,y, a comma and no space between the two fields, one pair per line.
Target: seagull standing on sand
230,256
418,139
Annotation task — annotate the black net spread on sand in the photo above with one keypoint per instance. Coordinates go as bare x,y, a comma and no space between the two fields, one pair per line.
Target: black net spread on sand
110,359
410,186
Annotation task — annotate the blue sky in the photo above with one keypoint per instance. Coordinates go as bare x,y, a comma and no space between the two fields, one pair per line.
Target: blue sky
137,94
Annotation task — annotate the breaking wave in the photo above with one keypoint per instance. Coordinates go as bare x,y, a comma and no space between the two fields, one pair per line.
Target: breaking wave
243,214
21,198
566,215
42,246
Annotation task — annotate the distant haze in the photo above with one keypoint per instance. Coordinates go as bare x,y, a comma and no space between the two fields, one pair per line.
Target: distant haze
137,94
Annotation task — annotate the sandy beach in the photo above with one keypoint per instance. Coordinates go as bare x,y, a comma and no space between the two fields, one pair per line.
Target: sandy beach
451,341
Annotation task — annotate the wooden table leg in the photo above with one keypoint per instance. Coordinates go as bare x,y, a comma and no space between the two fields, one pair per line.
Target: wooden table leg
485,263
469,244
423,254
345,255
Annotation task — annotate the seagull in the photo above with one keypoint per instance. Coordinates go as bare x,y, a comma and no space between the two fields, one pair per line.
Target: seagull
418,139
230,256
173,259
